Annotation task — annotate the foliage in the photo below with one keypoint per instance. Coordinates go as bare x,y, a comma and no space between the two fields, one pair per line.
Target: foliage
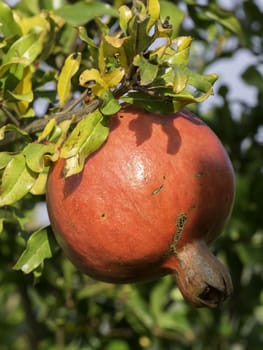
79,65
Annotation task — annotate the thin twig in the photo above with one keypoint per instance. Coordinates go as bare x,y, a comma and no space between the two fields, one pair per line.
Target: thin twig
39,124
10,116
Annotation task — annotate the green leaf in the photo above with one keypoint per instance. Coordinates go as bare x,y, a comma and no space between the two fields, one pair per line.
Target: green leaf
69,69
12,127
7,215
148,71
34,154
252,76
25,50
5,158
110,105
201,82
17,180
9,27
157,300
152,104
140,308
87,137
41,245
82,12
225,18
84,37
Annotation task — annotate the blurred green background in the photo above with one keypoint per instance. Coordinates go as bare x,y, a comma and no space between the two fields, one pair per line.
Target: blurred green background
63,309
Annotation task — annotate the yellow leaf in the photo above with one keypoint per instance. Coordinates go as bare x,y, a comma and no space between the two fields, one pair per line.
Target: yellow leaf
182,42
39,186
125,16
115,40
153,8
38,23
114,78
91,76
47,130
69,69
24,87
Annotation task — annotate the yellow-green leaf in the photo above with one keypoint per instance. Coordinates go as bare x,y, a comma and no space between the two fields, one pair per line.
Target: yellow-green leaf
34,154
154,12
39,186
69,69
125,14
87,137
23,91
41,245
17,180
47,130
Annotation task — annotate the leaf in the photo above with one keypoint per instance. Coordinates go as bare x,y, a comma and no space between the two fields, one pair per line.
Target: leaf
25,49
5,158
69,69
225,18
87,137
125,14
82,12
158,298
34,155
39,186
7,215
140,308
12,127
17,180
23,91
41,245
152,104
148,71
110,105
101,83
201,82
253,76
47,130
153,7
91,76
84,37
9,26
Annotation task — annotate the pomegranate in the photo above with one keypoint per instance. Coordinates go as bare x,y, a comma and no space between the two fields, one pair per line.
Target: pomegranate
147,204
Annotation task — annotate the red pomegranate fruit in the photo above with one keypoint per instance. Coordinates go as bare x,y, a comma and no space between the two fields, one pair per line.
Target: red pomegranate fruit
147,204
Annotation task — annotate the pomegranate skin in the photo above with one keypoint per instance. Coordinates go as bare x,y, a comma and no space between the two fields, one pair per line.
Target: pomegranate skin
159,185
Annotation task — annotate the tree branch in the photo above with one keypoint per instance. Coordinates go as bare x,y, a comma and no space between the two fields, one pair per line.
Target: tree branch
39,124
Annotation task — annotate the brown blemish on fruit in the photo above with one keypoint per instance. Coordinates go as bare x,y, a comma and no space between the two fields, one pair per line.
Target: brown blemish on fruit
199,174
180,223
157,190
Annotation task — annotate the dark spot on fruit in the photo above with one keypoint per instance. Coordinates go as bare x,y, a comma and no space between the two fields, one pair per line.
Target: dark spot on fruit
180,223
157,190
199,174
103,215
